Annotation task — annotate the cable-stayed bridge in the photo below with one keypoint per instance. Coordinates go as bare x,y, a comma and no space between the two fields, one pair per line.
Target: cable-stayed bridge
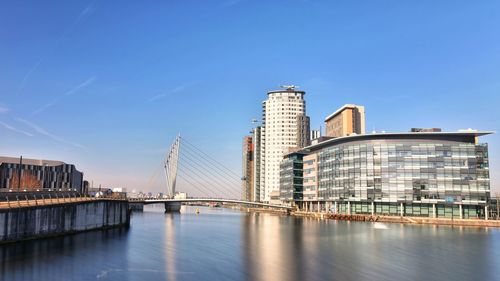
190,170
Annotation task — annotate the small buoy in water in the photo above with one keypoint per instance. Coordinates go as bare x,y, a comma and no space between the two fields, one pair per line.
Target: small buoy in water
197,211
378,225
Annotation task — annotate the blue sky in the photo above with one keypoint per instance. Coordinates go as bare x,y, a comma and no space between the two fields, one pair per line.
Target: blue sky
108,84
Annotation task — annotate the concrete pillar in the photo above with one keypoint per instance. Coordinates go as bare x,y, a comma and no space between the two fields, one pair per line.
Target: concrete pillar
348,207
336,208
319,206
401,209
373,208
460,209
327,207
434,210
311,206
486,212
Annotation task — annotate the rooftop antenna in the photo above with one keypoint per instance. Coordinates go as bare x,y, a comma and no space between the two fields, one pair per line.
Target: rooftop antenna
289,87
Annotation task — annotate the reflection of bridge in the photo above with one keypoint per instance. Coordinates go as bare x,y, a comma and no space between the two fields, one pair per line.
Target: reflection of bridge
147,201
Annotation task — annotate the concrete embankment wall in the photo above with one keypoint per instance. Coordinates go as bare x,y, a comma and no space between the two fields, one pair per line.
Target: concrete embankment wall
50,220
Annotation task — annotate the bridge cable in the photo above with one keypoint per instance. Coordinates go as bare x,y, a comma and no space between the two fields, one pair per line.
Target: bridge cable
213,159
201,168
183,166
201,183
222,191
153,177
193,185
187,154
206,193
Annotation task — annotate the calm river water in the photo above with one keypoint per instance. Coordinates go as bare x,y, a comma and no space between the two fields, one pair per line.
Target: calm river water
222,244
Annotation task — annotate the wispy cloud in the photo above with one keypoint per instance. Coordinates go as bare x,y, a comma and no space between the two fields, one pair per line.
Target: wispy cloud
231,3
44,132
14,129
173,91
44,107
83,13
30,71
80,86
4,109
157,97
89,9
73,91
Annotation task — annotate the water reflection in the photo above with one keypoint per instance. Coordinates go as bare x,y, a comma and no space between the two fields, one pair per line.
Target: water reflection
55,258
170,247
222,244
266,247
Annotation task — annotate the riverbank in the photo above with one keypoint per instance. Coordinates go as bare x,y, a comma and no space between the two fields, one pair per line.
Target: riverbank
264,210
405,220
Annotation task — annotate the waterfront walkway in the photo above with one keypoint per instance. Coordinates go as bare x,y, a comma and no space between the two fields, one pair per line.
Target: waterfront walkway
48,201
398,219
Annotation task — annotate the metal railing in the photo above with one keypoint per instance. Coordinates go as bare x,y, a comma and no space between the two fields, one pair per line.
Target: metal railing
33,199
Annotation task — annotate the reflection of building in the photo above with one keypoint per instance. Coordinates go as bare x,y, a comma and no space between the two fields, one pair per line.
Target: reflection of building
38,175
416,174
347,120
248,169
278,135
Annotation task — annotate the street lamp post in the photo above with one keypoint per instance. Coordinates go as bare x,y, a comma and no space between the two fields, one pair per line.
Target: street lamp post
20,173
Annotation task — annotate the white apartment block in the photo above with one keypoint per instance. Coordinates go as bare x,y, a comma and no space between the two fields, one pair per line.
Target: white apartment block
278,136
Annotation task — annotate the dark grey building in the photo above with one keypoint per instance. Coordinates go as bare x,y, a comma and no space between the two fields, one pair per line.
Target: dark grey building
303,131
38,175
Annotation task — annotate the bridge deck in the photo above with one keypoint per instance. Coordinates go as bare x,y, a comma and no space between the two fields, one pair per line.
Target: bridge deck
215,200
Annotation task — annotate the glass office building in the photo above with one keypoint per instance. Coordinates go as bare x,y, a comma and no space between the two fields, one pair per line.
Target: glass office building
291,178
431,174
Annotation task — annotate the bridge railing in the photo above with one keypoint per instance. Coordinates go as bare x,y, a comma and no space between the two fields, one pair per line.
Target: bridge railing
168,198
32,199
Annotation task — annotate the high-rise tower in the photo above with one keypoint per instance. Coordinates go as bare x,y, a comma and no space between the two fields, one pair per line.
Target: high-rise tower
279,135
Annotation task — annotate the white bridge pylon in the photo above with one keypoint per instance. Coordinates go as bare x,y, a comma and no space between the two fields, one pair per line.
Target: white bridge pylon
193,171
170,166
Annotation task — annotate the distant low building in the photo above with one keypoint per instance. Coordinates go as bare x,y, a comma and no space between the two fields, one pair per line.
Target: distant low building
314,134
24,174
119,189
100,192
180,195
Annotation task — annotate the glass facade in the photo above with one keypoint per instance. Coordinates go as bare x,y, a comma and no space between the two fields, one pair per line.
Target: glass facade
431,174
404,171
291,178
